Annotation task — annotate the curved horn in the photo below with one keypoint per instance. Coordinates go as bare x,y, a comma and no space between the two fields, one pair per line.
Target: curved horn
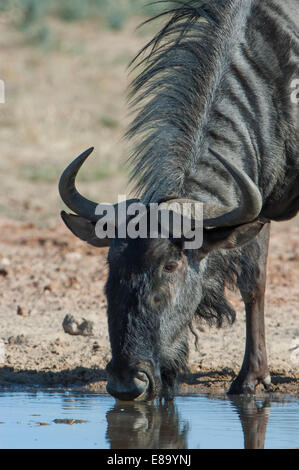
219,216
69,194
82,206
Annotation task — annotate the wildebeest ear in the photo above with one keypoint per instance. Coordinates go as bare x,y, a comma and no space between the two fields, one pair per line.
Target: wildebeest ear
83,229
231,237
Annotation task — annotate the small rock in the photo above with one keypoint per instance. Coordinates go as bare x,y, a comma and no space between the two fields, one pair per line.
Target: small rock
96,347
69,421
48,287
73,256
74,327
20,339
4,263
22,311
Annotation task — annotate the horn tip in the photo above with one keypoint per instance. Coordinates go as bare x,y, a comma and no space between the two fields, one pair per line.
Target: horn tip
66,218
86,153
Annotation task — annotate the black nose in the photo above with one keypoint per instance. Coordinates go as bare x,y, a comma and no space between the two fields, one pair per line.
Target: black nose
133,388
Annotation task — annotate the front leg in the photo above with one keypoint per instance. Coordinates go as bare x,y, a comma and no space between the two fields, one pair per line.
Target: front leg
254,369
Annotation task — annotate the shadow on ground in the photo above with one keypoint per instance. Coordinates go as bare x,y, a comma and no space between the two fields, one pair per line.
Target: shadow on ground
94,379
79,376
210,381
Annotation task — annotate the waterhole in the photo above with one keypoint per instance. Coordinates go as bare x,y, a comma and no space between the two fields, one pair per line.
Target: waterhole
66,419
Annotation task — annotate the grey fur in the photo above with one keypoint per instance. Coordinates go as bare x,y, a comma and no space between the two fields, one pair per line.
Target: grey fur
216,78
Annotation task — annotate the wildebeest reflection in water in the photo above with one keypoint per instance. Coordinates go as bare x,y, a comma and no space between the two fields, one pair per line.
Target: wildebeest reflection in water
146,426
134,425
254,419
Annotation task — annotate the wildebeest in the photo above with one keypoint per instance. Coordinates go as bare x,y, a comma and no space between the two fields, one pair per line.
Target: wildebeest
217,122
144,426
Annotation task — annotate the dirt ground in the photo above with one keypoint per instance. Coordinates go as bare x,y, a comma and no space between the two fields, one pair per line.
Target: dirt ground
58,103
46,274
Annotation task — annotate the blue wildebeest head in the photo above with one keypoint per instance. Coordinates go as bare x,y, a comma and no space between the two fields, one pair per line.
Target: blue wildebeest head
154,285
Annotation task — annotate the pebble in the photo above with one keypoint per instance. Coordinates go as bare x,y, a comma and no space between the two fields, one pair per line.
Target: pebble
22,311
73,256
69,421
4,263
96,347
19,339
75,327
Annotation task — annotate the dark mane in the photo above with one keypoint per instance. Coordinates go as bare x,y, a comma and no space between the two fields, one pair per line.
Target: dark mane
181,70
225,269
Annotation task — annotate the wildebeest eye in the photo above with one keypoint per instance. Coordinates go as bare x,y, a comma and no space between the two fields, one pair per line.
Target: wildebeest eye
171,266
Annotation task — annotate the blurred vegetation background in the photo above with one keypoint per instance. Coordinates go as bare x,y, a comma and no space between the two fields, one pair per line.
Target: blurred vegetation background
64,64
32,15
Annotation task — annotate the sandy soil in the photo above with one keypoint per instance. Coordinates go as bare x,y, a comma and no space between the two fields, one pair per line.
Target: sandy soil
46,274
60,101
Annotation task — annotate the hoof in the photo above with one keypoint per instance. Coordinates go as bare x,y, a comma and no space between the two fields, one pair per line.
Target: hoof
241,388
247,386
267,382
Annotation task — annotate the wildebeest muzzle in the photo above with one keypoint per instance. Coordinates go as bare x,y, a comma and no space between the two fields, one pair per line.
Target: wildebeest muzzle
140,382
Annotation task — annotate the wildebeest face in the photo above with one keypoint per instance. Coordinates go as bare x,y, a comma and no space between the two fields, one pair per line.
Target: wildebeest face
155,285
153,290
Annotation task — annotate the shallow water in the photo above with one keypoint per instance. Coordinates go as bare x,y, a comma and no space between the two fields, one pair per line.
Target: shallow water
68,419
